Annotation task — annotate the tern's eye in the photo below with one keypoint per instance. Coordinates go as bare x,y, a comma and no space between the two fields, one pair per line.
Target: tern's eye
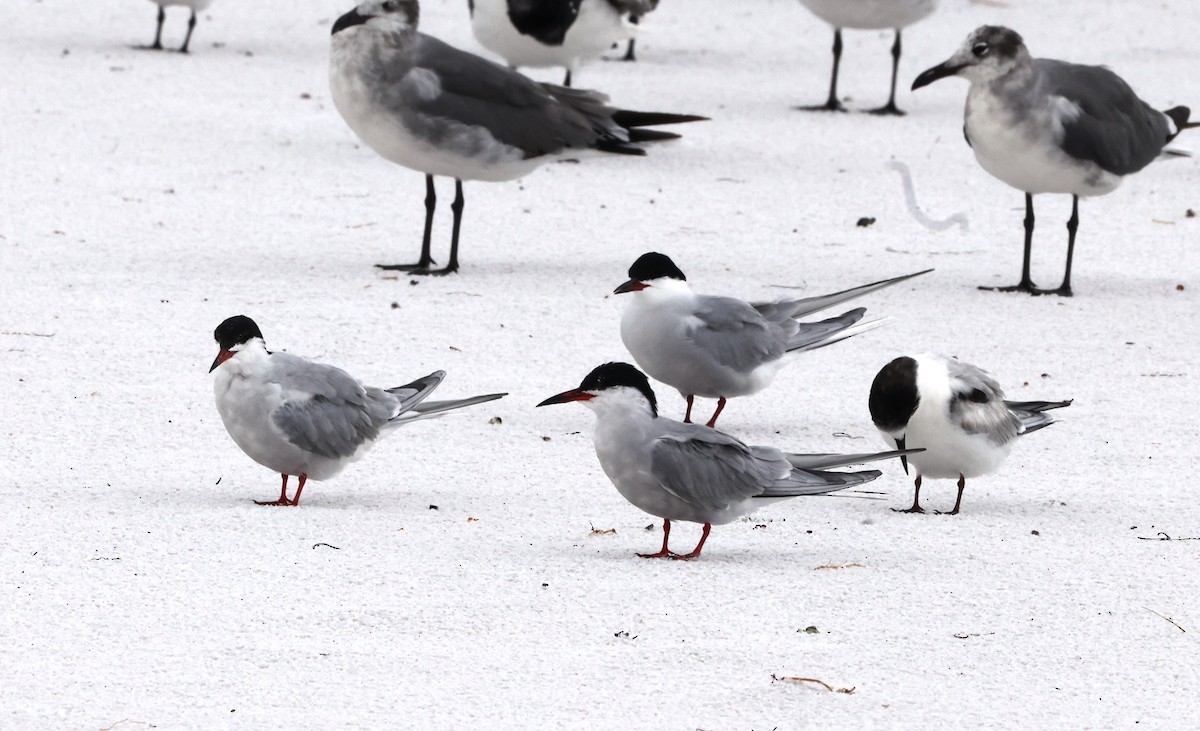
390,5
980,50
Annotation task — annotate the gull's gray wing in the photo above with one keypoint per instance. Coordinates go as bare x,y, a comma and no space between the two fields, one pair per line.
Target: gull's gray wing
977,403
736,335
1114,128
711,470
783,309
325,410
435,82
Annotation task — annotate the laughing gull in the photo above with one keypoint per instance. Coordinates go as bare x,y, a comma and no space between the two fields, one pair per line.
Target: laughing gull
1047,126
867,15
308,419
438,110
195,5
721,347
544,33
956,413
680,471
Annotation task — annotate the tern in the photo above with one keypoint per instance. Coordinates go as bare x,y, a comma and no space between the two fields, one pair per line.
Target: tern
438,110
680,471
552,33
868,15
1047,126
308,419
195,6
956,412
721,347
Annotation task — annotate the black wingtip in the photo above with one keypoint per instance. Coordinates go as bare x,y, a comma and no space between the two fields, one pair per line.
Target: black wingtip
1180,115
629,118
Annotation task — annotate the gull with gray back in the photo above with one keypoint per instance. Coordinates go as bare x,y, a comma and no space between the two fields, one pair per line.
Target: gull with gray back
1047,126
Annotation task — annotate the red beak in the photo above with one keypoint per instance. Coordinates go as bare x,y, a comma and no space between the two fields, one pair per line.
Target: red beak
567,397
632,285
222,356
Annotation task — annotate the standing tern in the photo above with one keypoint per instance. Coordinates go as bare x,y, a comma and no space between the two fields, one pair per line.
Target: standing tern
194,5
308,419
680,471
956,412
721,347
542,33
868,15
1047,126
438,110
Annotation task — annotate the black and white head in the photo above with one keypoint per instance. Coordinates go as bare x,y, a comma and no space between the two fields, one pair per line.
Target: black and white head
990,51
233,335
894,400
612,386
654,271
387,15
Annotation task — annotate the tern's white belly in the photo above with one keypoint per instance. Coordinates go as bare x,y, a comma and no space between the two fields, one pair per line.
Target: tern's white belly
949,451
596,28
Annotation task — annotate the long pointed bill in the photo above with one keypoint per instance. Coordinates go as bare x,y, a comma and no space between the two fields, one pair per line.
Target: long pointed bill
903,457
222,356
632,285
941,71
567,397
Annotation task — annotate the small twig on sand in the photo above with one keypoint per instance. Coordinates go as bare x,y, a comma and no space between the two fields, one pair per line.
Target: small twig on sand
822,683
1181,629
28,335
124,720
325,544
1164,537
601,531
839,566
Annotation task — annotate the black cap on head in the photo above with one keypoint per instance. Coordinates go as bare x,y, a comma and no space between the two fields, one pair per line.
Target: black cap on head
236,330
894,396
616,375
997,40
654,265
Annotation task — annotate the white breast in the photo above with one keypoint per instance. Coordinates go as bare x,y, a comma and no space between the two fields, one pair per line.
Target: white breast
868,14
596,28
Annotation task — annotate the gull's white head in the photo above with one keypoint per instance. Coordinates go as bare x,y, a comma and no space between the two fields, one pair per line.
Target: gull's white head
385,15
990,52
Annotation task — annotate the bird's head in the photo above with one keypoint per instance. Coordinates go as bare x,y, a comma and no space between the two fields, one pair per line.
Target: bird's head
389,15
232,335
894,399
654,273
616,386
990,51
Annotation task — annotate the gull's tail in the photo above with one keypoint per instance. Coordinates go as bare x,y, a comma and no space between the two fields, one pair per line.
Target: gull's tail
1179,116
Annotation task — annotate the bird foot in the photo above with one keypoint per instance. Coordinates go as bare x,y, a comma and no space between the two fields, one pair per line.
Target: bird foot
684,556
913,509
280,501
830,106
151,47
1030,289
660,554
944,512
418,270
886,110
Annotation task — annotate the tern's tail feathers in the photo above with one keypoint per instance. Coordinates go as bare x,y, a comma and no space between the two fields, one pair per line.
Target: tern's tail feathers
813,335
431,408
1032,413
816,482
1179,116
809,305
412,394
825,461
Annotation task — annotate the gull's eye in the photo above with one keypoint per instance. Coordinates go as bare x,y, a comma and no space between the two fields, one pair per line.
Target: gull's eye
390,5
979,49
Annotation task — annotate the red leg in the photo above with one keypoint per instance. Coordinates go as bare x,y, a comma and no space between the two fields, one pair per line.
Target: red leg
962,483
687,418
720,407
916,506
283,498
699,546
664,552
300,489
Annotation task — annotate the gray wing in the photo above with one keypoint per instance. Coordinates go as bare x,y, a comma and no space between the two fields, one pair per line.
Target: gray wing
1032,414
537,119
825,461
977,403
326,411
1115,129
711,470
813,335
783,309
736,335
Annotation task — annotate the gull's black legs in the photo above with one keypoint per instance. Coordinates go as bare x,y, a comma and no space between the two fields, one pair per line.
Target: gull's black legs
187,39
162,16
1026,284
1064,289
890,107
832,104
567,80
426,259
629,51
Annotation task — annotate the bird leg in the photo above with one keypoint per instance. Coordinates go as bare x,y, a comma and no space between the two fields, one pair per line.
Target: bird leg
962,482
1026,284
890,107
188,37
720,407
700,545
687,418
1064,289
567,80
283,498
426,259
629,51
664,551
157,45
916,506
831,104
